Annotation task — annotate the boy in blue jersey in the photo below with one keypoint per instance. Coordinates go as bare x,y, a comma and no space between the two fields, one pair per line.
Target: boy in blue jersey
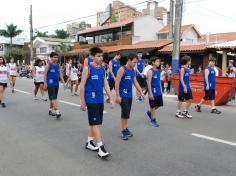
209,87
52,74
91,95
114,66
140,76
125,79
154,90
185,92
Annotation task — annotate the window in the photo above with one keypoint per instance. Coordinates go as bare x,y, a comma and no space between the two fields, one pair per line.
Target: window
103,38
43,50
162,36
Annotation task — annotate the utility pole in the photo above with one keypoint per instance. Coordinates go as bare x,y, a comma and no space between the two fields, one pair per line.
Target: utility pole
171,19
31,35
177,35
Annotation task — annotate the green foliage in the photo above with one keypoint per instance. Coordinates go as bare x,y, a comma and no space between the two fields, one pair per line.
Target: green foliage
17,53
62,34
11,31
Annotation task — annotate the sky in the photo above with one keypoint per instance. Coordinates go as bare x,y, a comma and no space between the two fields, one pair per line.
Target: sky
212,16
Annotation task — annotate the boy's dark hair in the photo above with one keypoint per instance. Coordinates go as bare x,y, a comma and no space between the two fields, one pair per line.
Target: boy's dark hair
118,54
212,59
139,52
4,62
53,54
185,59
95,50
37,62
154,58
131,57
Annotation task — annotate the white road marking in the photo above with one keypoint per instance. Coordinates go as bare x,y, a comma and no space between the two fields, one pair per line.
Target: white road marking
214,139
21,91
169,96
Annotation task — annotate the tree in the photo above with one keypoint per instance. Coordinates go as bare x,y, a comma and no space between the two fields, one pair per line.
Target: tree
17,53
63,48
41,34
62,34
11,31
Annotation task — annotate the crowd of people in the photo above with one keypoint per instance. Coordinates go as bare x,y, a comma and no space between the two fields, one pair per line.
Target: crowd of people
151,78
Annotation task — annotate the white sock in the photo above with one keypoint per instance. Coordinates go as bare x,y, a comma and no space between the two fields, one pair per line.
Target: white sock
178,110
213,107
198,104
100,144
50,109
57,111
90,139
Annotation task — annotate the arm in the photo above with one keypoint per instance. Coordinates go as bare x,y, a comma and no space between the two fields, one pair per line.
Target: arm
84,78
182,79
111,70
61,75
149,80
85,61
117,84
45,75
34,73
108,92
137,86
136,68
206,78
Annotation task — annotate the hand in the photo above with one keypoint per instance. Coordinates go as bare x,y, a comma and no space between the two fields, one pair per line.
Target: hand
64,86
142,75
185,90
82,105
207,87
118,99
111,103
45,86
151,97
143,96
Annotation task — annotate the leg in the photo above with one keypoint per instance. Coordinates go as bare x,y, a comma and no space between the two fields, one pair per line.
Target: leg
76,86
13,82
179,106
71,87
36,88
96,133
124,123
1,94
42,90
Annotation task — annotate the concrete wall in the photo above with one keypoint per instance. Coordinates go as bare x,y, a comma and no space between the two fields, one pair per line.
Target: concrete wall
190,37
146,29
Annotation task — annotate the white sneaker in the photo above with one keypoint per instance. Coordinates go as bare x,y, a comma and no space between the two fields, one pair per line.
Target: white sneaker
35,98
44,98
91,146
102,153
180,115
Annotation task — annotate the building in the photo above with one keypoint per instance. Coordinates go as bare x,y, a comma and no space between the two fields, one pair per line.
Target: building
74,28
217,38
5,44
154,10
119,12
120,33
190,34
44,46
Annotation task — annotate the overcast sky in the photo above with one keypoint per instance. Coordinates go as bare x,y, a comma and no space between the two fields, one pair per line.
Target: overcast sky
208,15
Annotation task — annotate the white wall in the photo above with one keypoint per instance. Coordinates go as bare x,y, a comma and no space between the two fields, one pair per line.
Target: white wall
146,29
190,37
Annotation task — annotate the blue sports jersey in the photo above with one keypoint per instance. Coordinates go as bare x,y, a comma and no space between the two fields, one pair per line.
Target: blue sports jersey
186,81
90,60
94,85
156,82
211,78
140,65
126,83
53,75
115,68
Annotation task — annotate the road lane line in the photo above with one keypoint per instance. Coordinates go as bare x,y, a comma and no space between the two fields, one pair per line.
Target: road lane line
214,139
21,91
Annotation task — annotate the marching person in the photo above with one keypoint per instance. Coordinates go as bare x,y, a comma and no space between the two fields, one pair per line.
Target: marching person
91,95
13,73
74,80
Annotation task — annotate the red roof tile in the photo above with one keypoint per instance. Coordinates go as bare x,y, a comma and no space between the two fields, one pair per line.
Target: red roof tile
140,45
185,48
218,37
184,28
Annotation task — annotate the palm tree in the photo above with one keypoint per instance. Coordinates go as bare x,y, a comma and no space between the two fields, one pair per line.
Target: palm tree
10,32
41,34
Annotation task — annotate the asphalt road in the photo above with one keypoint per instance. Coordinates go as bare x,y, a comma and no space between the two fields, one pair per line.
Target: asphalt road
34,144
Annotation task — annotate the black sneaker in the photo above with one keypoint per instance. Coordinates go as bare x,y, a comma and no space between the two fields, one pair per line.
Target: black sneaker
91,146
13,91
215,111
129,134
102,153
198,108
179,115
51,113
58,116
3,105
187,115
124,135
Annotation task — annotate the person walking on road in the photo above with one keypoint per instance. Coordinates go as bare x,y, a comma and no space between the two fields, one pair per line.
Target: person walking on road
93,83
13,73
74,80
209,87
4,76
52,74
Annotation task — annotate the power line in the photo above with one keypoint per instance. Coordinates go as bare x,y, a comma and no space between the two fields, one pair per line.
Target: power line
84,17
